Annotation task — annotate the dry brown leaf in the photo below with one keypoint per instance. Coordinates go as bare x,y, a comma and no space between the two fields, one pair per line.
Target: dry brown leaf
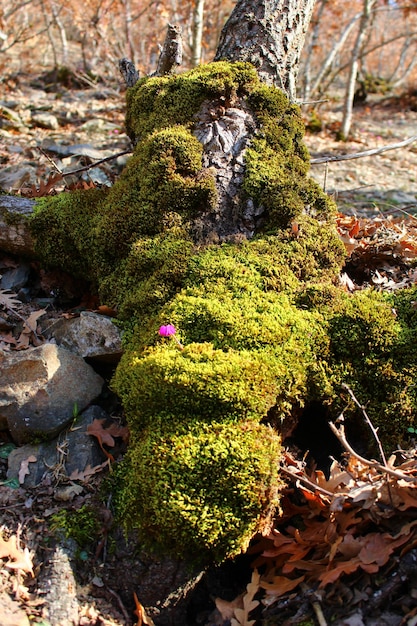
88,472
143,619
45,188
227,609
378,547
18,559
9,339
337,570
106,434
281,585
8,300
24,468
249,604
29,332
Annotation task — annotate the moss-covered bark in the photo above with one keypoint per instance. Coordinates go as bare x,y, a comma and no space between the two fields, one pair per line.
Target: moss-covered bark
249,279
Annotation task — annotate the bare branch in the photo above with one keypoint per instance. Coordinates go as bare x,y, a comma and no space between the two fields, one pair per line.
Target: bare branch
368,421
129,72
340,434
364,153
171,53
88,167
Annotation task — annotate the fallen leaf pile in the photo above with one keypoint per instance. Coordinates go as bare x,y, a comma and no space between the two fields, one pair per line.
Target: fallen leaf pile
353,522
382,251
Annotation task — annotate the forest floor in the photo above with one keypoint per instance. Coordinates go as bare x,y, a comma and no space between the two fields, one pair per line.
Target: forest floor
372,193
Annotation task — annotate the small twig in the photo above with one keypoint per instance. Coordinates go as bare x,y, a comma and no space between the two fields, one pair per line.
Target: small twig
314,600
307,482
326,172
88,167
340,434
364,153
121,605
32,330
368,421
51,161
303,102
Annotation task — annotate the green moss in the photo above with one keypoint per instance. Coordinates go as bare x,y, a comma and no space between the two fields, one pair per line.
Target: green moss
162,185
200,491
264,326
63,228
81,525
371,349
168,101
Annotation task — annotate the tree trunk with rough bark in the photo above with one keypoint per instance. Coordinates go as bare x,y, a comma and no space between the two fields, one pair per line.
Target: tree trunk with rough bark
270,35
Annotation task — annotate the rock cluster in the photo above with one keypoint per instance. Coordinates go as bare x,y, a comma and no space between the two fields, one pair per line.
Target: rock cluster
47,392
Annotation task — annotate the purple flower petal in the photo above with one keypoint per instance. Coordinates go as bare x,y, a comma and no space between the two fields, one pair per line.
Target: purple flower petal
167,331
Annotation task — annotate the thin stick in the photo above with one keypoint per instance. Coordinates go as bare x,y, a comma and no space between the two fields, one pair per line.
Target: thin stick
32,330
88,167
368,421
364,153
51,161
307,482
340,434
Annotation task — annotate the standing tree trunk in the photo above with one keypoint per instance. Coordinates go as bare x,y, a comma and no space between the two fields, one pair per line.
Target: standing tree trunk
198,15
354,67
270,35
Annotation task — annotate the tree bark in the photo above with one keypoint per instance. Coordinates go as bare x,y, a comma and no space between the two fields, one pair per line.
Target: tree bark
269,34
15,236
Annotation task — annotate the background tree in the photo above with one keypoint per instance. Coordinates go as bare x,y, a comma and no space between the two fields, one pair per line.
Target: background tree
270,35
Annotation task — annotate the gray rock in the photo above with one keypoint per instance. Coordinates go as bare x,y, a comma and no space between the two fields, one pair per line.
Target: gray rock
90,336
16,278
10,120
73,450
45,120
39,388
13,178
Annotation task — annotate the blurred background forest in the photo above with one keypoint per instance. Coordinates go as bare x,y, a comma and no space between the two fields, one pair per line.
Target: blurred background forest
88,37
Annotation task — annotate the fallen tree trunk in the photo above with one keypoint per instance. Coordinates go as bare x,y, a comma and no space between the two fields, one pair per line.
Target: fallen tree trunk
15,235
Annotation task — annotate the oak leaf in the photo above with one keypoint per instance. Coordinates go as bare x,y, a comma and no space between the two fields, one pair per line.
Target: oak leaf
249,604
9,300
227,609
18,559
337,570
88,472
106,434
24,468
45,188
281,585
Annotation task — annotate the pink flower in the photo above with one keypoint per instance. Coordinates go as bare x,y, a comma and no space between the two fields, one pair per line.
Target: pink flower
167,331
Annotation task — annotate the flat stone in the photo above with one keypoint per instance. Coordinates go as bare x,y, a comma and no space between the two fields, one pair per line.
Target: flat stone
39,389
90,335
45,120
73,450
16,278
